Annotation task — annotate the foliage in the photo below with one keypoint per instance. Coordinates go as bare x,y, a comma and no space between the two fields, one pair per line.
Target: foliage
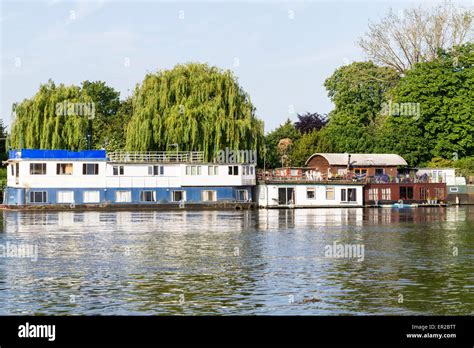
358,91
305,147
114,135
310,121
444,90
286,131
42,123
107,103
3,177
417,35
198,107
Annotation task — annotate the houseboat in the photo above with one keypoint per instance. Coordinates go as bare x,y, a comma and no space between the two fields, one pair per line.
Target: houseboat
120,180
387,179
341,179
303,188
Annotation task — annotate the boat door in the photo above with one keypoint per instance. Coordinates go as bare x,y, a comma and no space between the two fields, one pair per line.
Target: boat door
286,195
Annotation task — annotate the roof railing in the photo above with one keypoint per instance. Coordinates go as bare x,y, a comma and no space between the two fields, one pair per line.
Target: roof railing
156,156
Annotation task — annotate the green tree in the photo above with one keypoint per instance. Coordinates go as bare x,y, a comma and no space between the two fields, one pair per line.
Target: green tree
105,122
304,147
358,91
114,135
56,116
196,106
285,131
444,126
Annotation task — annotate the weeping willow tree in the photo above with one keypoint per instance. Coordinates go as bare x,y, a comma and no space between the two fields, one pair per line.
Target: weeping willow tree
198,107
56,116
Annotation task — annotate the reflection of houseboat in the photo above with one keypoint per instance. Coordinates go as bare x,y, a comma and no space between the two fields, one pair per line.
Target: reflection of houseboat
60,178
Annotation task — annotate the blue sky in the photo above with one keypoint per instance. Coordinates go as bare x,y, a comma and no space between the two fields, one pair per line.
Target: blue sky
281,52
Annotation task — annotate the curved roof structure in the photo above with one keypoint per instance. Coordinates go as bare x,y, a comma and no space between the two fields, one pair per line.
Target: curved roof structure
362,159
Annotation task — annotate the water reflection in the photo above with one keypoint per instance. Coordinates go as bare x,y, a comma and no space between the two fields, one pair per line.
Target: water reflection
250,262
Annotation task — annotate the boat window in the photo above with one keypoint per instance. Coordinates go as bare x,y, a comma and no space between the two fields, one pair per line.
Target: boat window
123,196
209,195
148,196
178,196
38,197
90,169
242,195
65,196
91,196
386,194
118,170
329,193
64,168
37,168
406,192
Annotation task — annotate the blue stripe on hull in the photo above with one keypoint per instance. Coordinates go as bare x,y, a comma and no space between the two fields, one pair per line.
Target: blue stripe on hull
20,196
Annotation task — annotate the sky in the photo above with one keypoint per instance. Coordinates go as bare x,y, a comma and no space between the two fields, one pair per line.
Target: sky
280,51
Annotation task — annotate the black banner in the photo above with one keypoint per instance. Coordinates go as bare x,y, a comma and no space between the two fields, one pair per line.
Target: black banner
259,330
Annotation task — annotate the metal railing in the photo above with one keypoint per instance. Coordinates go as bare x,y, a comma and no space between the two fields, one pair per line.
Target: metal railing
307,175
156,157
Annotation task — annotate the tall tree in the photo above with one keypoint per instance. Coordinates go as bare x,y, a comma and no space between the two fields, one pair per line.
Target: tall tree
195,106
358,91
58,117
444,91
417,35
107,104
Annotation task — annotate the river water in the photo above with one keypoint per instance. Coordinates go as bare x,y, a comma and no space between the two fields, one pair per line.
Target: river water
275,262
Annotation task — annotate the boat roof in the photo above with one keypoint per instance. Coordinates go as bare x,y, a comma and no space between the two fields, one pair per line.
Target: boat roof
362,159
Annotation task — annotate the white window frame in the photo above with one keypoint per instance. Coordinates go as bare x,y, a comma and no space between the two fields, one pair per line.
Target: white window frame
330,189
120,170
153,196
345,195
386,192
213,170
246,195
43,166
183,194
214,195
42,192
160,170
311,189
65,196
58,166
86,196
84,166
123,194
373,194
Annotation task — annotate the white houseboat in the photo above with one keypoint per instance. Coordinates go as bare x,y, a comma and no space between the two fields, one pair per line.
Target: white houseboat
298,188
92,178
